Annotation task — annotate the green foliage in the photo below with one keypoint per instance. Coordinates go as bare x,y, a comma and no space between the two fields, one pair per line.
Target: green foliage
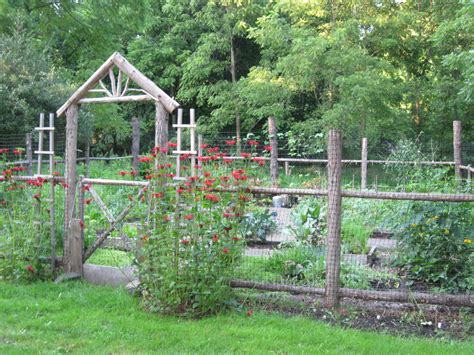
257,224
355,236
306,265
309,221
29,84
435,245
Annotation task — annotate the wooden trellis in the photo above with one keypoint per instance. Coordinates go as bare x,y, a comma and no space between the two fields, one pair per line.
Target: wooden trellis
50,153
192,136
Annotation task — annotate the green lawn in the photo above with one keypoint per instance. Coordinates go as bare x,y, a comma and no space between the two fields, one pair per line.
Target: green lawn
77,317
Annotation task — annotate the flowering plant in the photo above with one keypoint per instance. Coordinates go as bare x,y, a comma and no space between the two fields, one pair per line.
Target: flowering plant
23,240
193,241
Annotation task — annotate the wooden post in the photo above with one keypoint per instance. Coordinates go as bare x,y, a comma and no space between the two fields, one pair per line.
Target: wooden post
40,143
178,141
199,151
135,142
192,136
52,217
161,125
363,165
74,258
29,154
287,168
88,157
469,174
81,203
457,148
72,114
272,132
333,257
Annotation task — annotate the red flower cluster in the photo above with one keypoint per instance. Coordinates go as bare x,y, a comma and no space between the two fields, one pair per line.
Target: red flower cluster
172,145
230,142
252,143
212,198
144,159
4,151
259,160
189,217
18,151
245,155
268,148
30,268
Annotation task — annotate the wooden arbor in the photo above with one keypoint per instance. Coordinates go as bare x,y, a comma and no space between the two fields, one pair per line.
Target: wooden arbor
104,86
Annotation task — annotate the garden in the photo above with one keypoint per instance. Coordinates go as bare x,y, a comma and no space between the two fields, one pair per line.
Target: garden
292,176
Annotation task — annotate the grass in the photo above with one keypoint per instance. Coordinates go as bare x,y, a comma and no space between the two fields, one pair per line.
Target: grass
81,318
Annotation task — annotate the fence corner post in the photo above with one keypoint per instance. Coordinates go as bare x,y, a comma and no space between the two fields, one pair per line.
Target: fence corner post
363,165
272,133
333,256
457,143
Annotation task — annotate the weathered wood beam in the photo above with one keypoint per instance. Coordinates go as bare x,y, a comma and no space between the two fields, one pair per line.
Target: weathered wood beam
112,81
115,99
89,84
102,85
145,83
126,87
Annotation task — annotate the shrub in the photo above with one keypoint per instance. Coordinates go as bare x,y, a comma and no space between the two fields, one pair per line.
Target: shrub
193,242
435,245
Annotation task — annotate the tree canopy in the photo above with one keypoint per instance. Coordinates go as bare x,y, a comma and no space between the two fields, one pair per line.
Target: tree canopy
383,69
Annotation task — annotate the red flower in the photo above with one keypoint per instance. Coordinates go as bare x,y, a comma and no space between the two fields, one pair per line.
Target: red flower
193,178
133,172
166,218
227,160
144,159
207,173
184,241
227,228
204,146
189,217
225,250
37,197
268,148
212,198
123,173
18,151
64,185
230,142
4,150
149,177
87,187
87,201
235,239
213,150
215,238
253,142
180,190
245,155
227,215
172,145
81,223
250,313
225,178
157,195
30,268
164,150
170,175
56,173
145,238
209,182
244,198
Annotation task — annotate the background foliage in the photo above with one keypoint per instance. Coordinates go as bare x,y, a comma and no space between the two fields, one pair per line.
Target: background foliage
382,69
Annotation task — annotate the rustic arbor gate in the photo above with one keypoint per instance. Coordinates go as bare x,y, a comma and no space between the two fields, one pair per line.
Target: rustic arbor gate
95,90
